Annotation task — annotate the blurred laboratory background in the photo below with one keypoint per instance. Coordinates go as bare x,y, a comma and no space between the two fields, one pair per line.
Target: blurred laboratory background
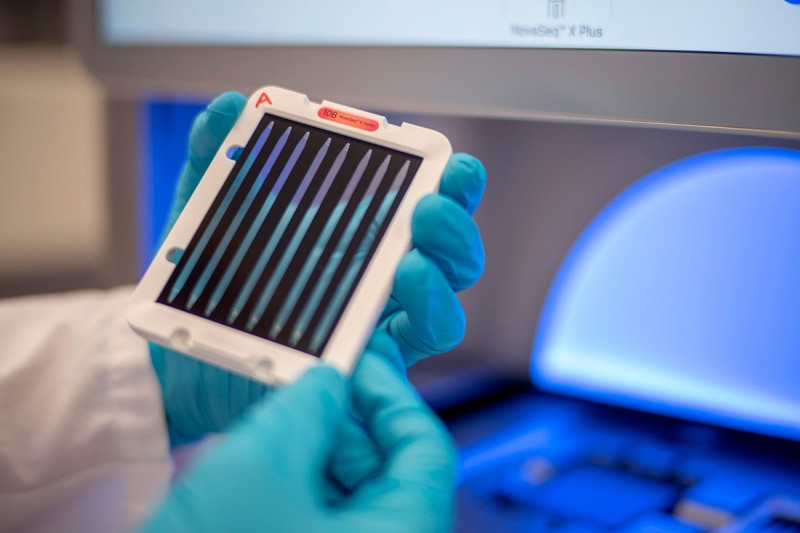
641,224
54,206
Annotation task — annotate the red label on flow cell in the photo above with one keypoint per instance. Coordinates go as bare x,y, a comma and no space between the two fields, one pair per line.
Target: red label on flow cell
349,119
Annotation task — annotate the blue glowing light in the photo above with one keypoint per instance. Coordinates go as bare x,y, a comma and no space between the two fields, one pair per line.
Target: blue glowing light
683,296
165,126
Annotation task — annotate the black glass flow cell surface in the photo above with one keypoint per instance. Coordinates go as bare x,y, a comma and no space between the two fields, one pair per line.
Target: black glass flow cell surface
290,233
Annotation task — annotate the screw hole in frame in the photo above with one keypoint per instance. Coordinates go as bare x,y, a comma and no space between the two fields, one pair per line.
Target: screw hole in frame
265,368
174,255
180,339
234,151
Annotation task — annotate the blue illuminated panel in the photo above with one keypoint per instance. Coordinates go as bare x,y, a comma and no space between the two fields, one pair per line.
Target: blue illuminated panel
683,296
165,127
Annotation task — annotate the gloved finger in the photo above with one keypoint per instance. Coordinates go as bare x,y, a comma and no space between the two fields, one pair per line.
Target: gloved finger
432,320
199,397
381,342
441,224
283,440
231,396
211,127
297,425
464,180
447,234
420,456
208,131
355,457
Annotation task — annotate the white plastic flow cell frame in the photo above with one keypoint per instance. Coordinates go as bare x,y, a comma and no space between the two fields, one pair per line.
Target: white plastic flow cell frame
284,255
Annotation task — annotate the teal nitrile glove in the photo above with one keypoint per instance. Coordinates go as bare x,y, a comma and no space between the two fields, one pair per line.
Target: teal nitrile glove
275,470
423,315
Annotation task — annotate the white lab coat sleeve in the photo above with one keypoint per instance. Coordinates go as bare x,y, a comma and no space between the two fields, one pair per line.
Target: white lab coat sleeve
83,441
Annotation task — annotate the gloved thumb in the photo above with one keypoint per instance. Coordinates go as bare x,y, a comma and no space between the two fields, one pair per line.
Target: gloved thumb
208,131
211,127
260,471
297,425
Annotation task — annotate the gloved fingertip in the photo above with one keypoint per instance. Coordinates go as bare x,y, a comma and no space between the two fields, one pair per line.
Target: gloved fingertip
228,103
420,282
430,202
407,275
447,234
432,320
224,110
420,341
211,127
464,180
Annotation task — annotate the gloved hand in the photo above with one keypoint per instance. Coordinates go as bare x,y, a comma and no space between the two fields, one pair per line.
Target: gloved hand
423,315
284,466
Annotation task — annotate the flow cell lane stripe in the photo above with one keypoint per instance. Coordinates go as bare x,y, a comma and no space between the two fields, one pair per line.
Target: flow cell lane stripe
267,280
310,306
244,246
344,288
211,266
293,251
351,250
328,248
283,248
243,170
279,232
301,254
